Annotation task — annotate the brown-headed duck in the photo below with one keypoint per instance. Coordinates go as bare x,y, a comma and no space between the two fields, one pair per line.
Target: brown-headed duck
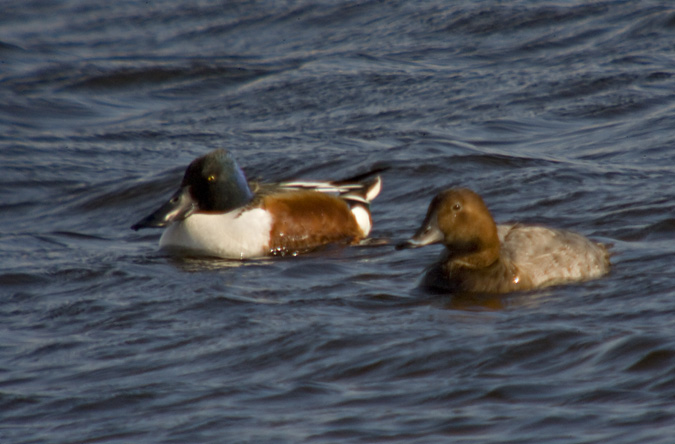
483,257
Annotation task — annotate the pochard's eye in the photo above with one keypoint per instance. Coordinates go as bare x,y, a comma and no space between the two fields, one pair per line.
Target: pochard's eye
211,178
456,207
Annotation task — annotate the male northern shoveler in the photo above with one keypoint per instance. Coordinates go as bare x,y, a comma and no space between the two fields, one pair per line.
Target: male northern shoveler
217,212
483,257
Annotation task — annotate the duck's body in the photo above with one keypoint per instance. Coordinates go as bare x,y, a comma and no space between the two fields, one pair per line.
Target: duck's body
483,257
235,235
551,256
216,212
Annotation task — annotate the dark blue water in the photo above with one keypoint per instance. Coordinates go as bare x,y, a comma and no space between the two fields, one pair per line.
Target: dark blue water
561,113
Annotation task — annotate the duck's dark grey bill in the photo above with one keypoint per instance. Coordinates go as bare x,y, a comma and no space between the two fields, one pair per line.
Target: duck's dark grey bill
428,234
410,243
179,207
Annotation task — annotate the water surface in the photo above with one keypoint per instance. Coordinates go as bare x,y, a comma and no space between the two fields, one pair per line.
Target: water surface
559,113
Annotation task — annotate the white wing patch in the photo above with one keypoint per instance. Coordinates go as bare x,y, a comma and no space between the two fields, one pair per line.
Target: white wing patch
357,192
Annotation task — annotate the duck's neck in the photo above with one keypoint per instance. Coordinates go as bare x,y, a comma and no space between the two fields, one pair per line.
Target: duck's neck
475,274
483,257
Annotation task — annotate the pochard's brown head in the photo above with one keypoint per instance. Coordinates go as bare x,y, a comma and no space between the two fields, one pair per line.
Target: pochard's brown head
459,219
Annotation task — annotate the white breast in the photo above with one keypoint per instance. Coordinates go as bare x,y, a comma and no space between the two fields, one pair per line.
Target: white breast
233,235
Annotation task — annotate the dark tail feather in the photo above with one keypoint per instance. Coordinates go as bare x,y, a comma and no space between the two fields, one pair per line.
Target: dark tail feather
365,193
362,176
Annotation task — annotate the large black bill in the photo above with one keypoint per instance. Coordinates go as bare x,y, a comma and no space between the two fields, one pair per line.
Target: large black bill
179,207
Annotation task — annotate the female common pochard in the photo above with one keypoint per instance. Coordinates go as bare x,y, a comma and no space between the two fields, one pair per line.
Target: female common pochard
483,257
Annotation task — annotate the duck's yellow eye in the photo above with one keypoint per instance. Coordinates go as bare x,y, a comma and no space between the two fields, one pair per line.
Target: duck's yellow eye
211,178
